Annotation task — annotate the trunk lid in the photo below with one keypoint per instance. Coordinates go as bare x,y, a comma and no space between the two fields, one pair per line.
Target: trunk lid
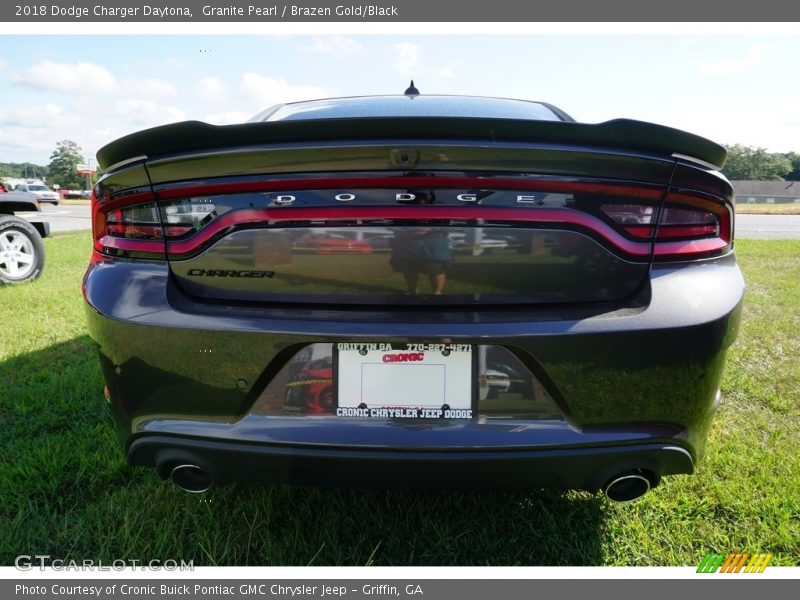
503,224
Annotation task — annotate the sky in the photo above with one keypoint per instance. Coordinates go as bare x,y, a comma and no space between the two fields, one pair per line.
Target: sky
92,89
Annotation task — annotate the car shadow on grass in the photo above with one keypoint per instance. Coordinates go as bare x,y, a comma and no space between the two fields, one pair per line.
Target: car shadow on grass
68,492
431,528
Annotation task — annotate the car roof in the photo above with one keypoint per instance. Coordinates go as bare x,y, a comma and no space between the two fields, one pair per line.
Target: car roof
412,106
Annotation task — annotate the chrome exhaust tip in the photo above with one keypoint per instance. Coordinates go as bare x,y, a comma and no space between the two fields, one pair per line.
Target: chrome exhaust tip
191,478
627,487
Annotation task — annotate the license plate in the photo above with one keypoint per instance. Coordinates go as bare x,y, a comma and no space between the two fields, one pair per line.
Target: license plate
415,381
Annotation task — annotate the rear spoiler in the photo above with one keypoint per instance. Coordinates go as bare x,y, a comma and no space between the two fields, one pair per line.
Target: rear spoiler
620,134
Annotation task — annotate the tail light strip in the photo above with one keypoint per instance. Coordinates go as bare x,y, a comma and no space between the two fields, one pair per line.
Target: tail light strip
550,216
275,216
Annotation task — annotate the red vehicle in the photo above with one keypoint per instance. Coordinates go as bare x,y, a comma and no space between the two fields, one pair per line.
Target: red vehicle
311,389
340,242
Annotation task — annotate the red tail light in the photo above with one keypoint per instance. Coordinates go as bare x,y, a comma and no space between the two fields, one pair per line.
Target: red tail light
635,219
187,215
138,222
692,225
128,227
688,224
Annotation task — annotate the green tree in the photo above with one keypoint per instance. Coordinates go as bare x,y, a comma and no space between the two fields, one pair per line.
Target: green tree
794,158
755,164
62,169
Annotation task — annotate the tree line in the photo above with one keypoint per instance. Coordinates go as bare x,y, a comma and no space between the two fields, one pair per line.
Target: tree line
23,170
61,171
748,163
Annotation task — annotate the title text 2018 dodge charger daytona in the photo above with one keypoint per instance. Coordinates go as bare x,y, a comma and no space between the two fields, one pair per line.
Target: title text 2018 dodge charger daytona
414,291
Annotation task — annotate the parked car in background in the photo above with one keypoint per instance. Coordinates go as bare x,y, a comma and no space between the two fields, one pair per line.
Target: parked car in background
476,244
311,389
516,379
21,247
600,277
75,194
496,382
39,191
333,242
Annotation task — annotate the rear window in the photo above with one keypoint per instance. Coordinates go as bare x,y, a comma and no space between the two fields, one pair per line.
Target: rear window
401,106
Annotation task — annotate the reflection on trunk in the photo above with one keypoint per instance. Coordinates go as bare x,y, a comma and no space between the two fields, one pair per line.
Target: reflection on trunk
409,264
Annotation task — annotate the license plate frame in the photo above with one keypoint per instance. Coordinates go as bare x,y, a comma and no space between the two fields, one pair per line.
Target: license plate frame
405,380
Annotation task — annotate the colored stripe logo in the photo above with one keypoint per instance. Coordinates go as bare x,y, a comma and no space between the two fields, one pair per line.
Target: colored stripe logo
735,562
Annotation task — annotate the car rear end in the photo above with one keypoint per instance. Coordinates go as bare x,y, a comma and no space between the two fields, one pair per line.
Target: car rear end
414,300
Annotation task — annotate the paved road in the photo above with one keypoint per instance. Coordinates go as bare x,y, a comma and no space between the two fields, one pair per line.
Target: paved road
761,227
768,227
64,217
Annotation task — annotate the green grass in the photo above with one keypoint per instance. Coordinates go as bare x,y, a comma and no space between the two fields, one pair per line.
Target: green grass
66,490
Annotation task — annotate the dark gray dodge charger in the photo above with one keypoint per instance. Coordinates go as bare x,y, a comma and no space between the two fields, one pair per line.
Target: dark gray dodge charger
405,291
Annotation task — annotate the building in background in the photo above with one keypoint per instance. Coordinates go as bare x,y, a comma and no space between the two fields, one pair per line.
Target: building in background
766,192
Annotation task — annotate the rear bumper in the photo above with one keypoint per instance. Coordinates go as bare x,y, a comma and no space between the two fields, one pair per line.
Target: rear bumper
636,382
568,468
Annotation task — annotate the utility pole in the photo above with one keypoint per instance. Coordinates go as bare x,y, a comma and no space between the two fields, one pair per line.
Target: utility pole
89,176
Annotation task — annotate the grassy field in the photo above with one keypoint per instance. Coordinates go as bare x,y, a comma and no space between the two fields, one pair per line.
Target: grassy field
67,492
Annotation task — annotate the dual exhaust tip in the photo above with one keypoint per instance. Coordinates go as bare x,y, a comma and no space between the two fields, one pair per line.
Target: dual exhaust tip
627,487
191,478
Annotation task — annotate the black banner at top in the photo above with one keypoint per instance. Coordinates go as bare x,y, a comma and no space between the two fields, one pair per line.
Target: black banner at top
398,11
